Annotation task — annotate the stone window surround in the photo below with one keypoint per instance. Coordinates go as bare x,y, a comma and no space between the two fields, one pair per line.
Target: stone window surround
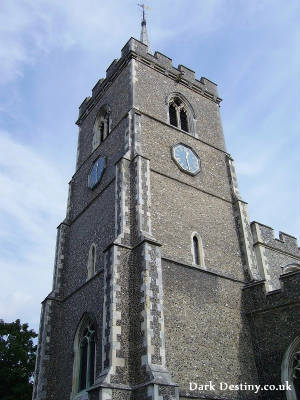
200,250
91,264
102,118
186,106
287,368
87,319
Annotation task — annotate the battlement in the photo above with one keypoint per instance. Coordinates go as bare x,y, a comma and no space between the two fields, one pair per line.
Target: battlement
264,235
257,297
84,104
181,73
97,86
139,51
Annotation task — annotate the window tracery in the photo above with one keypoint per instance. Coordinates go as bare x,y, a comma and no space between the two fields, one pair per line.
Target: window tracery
87,358
178,114
84,355
296,373
290,370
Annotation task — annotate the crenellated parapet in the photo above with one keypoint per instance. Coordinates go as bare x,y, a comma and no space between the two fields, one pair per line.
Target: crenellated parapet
164,64
134,49
273,318
273,254
258,299
264,234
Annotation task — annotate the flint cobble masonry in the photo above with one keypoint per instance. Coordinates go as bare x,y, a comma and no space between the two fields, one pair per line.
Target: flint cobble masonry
161,321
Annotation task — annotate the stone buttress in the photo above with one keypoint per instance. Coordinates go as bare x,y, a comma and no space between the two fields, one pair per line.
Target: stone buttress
50,324
133,344
142,202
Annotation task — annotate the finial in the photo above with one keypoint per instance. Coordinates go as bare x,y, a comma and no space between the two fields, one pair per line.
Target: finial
144,35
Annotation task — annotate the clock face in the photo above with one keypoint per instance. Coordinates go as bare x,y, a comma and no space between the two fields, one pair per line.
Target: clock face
96,172
186,159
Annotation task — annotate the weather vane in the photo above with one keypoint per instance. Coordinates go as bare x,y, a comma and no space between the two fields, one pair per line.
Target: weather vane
144,35
143,6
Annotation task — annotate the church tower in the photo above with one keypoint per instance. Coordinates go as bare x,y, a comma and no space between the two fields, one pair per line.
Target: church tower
155,248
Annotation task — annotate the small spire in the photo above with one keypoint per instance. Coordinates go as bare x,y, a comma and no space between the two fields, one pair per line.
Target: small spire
144,35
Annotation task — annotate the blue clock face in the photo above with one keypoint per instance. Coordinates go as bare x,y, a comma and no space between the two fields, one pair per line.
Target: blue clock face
186,158
96,172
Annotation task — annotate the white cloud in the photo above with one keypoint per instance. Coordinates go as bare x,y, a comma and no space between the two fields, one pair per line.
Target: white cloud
58,48
31,205
30,28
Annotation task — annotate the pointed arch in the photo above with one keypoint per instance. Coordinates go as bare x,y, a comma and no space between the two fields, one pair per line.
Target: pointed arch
197,250
181,113
102,126
84,364
91,264
290,369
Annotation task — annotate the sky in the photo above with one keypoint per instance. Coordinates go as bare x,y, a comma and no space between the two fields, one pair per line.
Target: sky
53,52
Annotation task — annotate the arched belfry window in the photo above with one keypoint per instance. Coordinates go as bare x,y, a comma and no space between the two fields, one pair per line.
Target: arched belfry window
197,250
91,265
84,355
102,126
290,370
181,114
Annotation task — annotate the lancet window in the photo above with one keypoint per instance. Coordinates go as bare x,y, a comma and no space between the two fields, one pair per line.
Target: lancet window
91,267
197,250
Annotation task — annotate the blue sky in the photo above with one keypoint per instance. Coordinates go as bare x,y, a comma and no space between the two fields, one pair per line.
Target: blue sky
53,52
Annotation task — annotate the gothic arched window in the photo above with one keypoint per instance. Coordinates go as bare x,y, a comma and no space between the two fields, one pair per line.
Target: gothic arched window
84,355
101,126
290,370
91,266
197,250
87,351
178,114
